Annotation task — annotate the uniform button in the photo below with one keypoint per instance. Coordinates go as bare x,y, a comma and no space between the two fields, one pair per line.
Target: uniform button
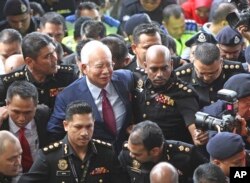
42,91
100,180
144,115
211,89
82,167
152,92
212,102
148,103
164,107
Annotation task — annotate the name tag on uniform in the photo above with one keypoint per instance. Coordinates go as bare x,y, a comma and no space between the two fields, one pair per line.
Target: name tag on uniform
63,173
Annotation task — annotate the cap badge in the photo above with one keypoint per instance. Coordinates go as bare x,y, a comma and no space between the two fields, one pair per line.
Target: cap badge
23,8
236,40
202,38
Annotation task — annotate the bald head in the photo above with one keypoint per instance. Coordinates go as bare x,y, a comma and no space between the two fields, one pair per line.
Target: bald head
13,62
5,138
94,49
158,65
156,51
163,173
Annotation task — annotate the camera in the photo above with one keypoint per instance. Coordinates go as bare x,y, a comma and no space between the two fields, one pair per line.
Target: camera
228,120
235,19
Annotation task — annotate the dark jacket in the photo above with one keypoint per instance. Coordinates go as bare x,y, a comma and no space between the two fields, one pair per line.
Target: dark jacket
41,119
59,163
184,157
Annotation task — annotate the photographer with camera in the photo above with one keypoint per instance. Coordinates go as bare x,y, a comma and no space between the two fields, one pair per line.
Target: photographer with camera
239,83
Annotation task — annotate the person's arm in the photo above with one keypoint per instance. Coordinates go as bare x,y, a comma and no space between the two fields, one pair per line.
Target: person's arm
55,124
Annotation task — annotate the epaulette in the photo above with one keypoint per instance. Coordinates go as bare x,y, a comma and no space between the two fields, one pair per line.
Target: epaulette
52,147
97,141
232,66
183,72
179,146
65,68
13,76
183,86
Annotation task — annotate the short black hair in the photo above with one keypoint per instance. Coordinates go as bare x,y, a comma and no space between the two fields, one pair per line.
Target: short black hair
148,134
207,53
24,89
147,28
93,29
77,107
33,42
208,173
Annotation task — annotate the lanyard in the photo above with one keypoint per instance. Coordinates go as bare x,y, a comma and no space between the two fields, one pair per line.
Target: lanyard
85,170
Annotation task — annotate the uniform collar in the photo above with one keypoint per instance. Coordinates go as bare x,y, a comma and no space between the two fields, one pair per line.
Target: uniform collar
30,78
167,86
68,149
197,81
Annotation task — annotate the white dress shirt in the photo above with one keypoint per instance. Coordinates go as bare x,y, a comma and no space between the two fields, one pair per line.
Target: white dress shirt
114,99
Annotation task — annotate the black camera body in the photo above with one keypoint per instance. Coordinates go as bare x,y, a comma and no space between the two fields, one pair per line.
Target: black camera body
235,19
228,122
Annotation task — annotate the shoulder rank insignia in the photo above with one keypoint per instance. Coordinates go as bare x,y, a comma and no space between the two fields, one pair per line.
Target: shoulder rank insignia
101,142
183,72
52,147
13,76
62,164
65,68
231,66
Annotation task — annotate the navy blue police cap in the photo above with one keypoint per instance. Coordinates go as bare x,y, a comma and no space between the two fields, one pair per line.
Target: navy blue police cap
240,83
16,7
225,145
229,36
201,37
135,20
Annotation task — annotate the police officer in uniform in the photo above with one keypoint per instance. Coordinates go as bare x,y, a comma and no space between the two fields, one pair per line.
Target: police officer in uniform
228,150
78,157
163,98
146,147
208,72
19,16
41,69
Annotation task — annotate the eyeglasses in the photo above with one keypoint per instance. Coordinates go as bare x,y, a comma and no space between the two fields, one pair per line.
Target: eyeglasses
103,66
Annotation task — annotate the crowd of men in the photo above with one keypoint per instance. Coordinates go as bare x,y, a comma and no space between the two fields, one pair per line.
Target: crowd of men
87,96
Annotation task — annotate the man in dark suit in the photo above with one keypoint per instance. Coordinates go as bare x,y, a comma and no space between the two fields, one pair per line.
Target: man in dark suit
99,76
23,113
